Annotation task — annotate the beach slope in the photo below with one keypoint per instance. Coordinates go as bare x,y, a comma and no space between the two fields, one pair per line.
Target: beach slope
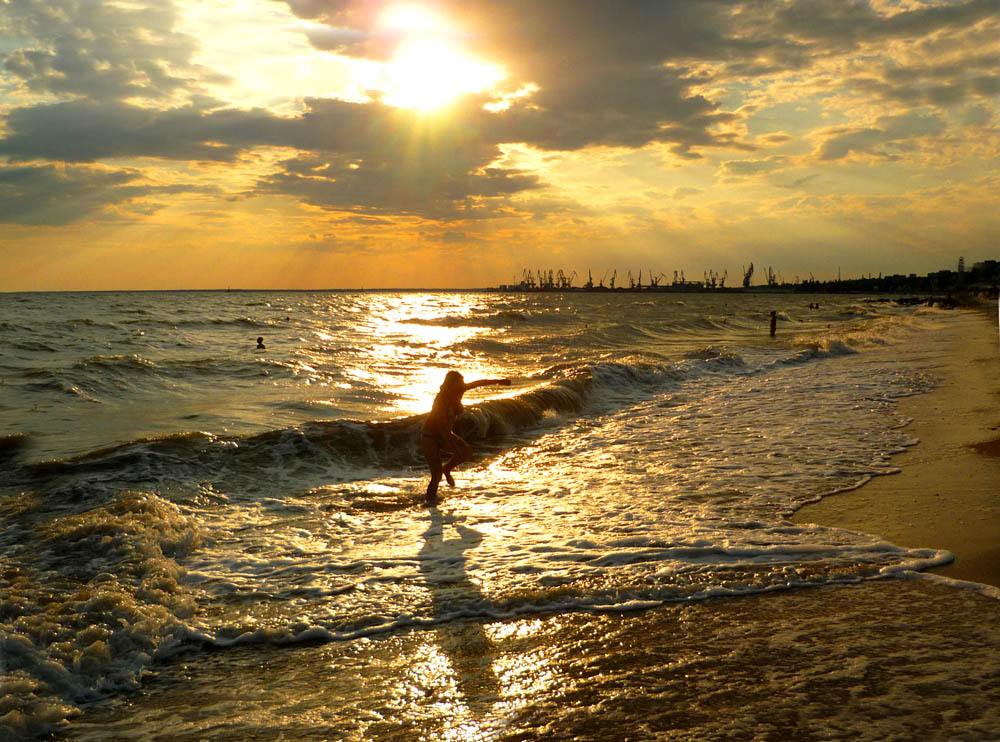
947,494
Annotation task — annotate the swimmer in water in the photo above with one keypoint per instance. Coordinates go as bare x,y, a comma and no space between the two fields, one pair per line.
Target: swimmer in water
260,344
437,432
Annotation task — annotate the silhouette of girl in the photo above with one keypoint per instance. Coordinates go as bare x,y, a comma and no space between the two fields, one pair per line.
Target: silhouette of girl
437,433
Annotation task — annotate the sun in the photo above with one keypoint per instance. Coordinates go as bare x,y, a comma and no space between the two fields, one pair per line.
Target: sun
430,69
410,18
429,74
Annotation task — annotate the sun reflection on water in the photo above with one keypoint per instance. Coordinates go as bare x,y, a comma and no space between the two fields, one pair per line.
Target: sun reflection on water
420,333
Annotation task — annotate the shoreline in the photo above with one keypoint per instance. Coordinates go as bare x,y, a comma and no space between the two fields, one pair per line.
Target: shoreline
947,493
872,660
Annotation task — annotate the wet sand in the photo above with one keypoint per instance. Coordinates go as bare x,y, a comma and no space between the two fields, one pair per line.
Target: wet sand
883,660
947,495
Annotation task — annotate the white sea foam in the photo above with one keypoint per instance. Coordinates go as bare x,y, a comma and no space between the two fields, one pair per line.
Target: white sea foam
90,600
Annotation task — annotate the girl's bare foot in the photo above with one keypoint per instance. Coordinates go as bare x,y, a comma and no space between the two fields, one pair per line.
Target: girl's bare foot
449,478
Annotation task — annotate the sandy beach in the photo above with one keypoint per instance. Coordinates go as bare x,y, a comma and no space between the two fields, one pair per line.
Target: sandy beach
947,494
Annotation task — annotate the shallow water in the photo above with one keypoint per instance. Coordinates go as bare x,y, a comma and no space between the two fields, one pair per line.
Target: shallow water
863,662
171,490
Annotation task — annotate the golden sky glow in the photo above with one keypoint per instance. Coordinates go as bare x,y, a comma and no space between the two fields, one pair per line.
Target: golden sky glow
295,143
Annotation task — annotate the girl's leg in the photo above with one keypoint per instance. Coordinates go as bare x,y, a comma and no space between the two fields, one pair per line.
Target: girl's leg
460,452
432,452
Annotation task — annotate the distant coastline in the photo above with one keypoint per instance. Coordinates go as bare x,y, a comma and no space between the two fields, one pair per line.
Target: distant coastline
982,278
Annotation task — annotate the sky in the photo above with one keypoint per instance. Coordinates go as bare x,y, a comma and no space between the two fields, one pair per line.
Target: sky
184,144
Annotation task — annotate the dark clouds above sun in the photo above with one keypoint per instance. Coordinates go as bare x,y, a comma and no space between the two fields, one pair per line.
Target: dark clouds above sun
312,143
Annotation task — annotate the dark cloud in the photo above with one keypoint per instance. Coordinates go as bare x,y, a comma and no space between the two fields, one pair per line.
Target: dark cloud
617,73
972,76
841,25
84,131
599,66
52,196
754,167
98,50
978,115
891,132
366,158
350,27
798,182
447,191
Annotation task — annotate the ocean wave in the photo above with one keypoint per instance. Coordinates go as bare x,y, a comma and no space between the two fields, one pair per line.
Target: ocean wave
660,574
214,322
823,348
88,322
132,362
103,377
13,445
102,599
339,446
317,452
497,319
873,333
32,346
716,354
343,449
310,453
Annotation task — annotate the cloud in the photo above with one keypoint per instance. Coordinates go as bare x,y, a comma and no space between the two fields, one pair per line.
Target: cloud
877,51
98,50
681,192
978,115
798,182
85,131
754,167
889,133
625,74
599,67
52,196
449,190
968,76
357,157
844,24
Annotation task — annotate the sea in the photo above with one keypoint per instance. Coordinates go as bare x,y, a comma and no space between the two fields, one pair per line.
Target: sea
203,540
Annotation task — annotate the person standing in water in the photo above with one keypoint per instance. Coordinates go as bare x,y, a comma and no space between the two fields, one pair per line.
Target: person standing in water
437,432
774,322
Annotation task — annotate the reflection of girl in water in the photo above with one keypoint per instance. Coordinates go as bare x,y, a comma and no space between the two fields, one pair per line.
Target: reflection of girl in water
437,431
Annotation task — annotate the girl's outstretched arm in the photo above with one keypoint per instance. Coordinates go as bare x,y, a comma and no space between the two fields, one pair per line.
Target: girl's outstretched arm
486,382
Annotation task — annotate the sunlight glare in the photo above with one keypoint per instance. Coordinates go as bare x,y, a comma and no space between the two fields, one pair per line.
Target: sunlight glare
428,74
409,18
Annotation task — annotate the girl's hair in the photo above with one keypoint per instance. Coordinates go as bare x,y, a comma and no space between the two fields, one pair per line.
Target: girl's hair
450,378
